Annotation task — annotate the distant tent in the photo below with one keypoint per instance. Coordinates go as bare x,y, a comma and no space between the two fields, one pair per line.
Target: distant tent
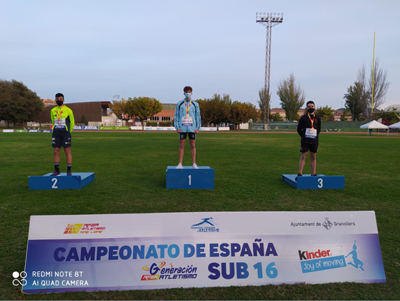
395,126
374,125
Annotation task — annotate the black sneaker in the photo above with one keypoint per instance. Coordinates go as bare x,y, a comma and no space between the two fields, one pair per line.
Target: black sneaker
314,175
56,173
69,173
299,175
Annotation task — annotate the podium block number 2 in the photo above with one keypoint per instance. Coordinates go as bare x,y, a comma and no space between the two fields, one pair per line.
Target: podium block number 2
54,184
190,180
321,183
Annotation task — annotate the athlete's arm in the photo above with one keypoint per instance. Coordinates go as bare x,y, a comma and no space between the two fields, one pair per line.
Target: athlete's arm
198,118
300,127
176,117
72,120
319,126
52,117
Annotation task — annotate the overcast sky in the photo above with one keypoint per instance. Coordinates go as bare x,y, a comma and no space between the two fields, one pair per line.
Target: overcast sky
93,50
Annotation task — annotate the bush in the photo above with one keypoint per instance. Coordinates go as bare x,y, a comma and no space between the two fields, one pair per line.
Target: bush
165,123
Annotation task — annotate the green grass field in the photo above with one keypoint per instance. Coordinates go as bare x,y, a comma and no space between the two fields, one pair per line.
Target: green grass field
130,178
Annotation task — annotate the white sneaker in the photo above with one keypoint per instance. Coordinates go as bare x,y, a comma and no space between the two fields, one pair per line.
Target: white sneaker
194,166
179,166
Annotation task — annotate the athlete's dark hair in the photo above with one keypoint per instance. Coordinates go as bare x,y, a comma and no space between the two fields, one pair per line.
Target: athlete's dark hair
59,95
310,101
187,88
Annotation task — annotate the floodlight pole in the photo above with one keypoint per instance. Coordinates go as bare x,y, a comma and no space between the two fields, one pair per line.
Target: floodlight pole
268,20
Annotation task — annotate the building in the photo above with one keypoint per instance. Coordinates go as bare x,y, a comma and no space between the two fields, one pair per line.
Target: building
84,112
337,115
282,112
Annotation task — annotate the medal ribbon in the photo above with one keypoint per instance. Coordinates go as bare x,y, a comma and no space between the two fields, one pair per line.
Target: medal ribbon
312,121
188,108
59,115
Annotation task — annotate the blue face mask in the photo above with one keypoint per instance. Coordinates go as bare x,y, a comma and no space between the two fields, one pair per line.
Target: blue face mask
188,95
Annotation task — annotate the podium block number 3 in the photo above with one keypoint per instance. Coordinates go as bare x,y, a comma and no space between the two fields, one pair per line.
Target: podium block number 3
54,184
190,180
321,183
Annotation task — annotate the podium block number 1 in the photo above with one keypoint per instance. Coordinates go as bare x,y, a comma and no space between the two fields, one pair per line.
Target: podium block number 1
54,184
190,180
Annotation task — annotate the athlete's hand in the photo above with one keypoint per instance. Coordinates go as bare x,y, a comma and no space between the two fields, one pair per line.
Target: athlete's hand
196,131
179,131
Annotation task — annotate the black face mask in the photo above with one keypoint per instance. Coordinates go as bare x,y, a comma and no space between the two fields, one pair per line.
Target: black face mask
311,110
59,103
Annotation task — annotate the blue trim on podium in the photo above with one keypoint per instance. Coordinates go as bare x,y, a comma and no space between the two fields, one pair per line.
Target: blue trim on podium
77,180
316,182
190,178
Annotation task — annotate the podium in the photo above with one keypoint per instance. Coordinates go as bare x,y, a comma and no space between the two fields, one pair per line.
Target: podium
190,178
314,182
77,180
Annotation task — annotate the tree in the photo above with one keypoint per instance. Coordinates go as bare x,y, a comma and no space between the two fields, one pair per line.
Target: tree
242,113
120,109
264,101
292,97
356,100
388,117
143,108
346,114
360,95
215,110
381,86
276,117
18,104
326,113
83,119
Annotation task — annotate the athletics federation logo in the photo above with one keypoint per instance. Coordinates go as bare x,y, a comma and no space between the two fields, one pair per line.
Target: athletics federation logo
207,225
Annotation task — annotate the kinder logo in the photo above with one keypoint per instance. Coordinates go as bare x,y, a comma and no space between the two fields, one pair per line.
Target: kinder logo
306,255
83,229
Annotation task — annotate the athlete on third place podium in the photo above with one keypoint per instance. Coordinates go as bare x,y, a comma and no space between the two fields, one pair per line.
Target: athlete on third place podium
187,122
309,128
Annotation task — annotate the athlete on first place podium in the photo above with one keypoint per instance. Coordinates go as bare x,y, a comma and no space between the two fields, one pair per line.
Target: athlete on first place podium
187,122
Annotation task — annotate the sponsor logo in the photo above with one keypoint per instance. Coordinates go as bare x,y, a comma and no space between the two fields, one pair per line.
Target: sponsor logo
161,271
327,224
83,229
304,255
321,260
206,225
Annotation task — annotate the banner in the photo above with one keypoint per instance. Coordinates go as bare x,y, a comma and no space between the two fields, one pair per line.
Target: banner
208,129
136,128
114,128
8,131
201,249
46,131
159,128
91,128
33,131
